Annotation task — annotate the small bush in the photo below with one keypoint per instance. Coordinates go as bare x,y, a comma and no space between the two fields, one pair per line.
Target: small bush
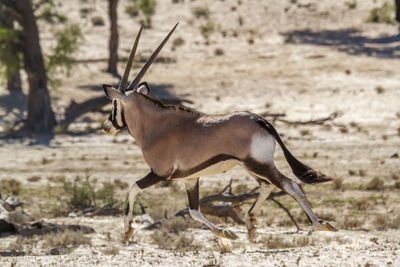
361,204
172,241
177,225
279,242
375,184
145,8
132,10
240,20
199,12
383,222
207,29
113,250
68,41
97,21
382,14
338,184
107,194
304,132
47,12
218,51
120,184
350,222
351,5
66,239
379,90
34,178
10,186
178,42
81,194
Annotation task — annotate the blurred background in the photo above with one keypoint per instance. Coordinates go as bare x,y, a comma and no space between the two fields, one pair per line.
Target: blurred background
325,73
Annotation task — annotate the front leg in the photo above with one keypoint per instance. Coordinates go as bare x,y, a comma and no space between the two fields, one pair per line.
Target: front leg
149,180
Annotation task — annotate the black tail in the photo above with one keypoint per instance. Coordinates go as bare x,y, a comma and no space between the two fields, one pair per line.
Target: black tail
302,171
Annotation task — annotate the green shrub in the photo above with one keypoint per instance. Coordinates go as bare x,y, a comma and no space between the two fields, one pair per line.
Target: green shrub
145,8
10,57
199,12
382,14
10,186
207,29
47,11
81,194
107,194
68,42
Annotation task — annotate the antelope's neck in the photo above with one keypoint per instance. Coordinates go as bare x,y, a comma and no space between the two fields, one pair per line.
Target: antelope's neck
143,120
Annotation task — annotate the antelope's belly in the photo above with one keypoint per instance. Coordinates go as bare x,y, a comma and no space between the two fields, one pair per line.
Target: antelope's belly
219,167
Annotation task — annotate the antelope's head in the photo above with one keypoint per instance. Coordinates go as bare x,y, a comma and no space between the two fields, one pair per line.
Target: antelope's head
116,119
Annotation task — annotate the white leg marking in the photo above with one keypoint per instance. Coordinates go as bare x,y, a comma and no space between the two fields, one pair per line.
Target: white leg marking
196,215
133,191
265,191
295,191
263,147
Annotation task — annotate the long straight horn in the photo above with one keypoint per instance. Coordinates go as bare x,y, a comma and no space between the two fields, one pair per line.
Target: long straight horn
146,66
124,80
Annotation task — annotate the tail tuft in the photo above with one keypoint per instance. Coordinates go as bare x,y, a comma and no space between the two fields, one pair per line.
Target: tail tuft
313,176
302,171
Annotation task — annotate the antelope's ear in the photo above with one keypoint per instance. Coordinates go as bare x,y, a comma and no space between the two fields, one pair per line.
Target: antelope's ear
113,93
143,88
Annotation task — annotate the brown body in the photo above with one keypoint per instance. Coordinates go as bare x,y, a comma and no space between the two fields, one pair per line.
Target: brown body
173,140
179,143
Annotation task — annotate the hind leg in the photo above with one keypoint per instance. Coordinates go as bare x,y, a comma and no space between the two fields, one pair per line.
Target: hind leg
251,220
192,189
269,172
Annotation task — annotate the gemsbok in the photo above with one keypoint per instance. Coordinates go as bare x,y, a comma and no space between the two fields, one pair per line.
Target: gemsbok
182,144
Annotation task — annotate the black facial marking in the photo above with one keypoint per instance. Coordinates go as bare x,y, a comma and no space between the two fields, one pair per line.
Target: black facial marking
114,110
201,166
113,116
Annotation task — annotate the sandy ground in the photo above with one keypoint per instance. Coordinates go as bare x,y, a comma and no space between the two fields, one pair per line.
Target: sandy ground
306,60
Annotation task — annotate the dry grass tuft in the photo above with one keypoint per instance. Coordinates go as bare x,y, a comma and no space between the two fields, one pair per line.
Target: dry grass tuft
375,184
113,250
18,217
57,179
219,51
10,186
177,225
21,243
66,239
34,178
120,184
382,222
167,240
279,242
338,184
350,222
201,11
361,204
172,236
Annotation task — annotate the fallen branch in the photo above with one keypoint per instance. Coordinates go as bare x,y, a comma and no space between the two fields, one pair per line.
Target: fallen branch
228,205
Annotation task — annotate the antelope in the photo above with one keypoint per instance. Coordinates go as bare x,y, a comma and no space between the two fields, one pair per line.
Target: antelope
183,144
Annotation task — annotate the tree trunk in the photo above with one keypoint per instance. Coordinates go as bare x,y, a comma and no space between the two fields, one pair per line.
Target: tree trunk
40,115
113,42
